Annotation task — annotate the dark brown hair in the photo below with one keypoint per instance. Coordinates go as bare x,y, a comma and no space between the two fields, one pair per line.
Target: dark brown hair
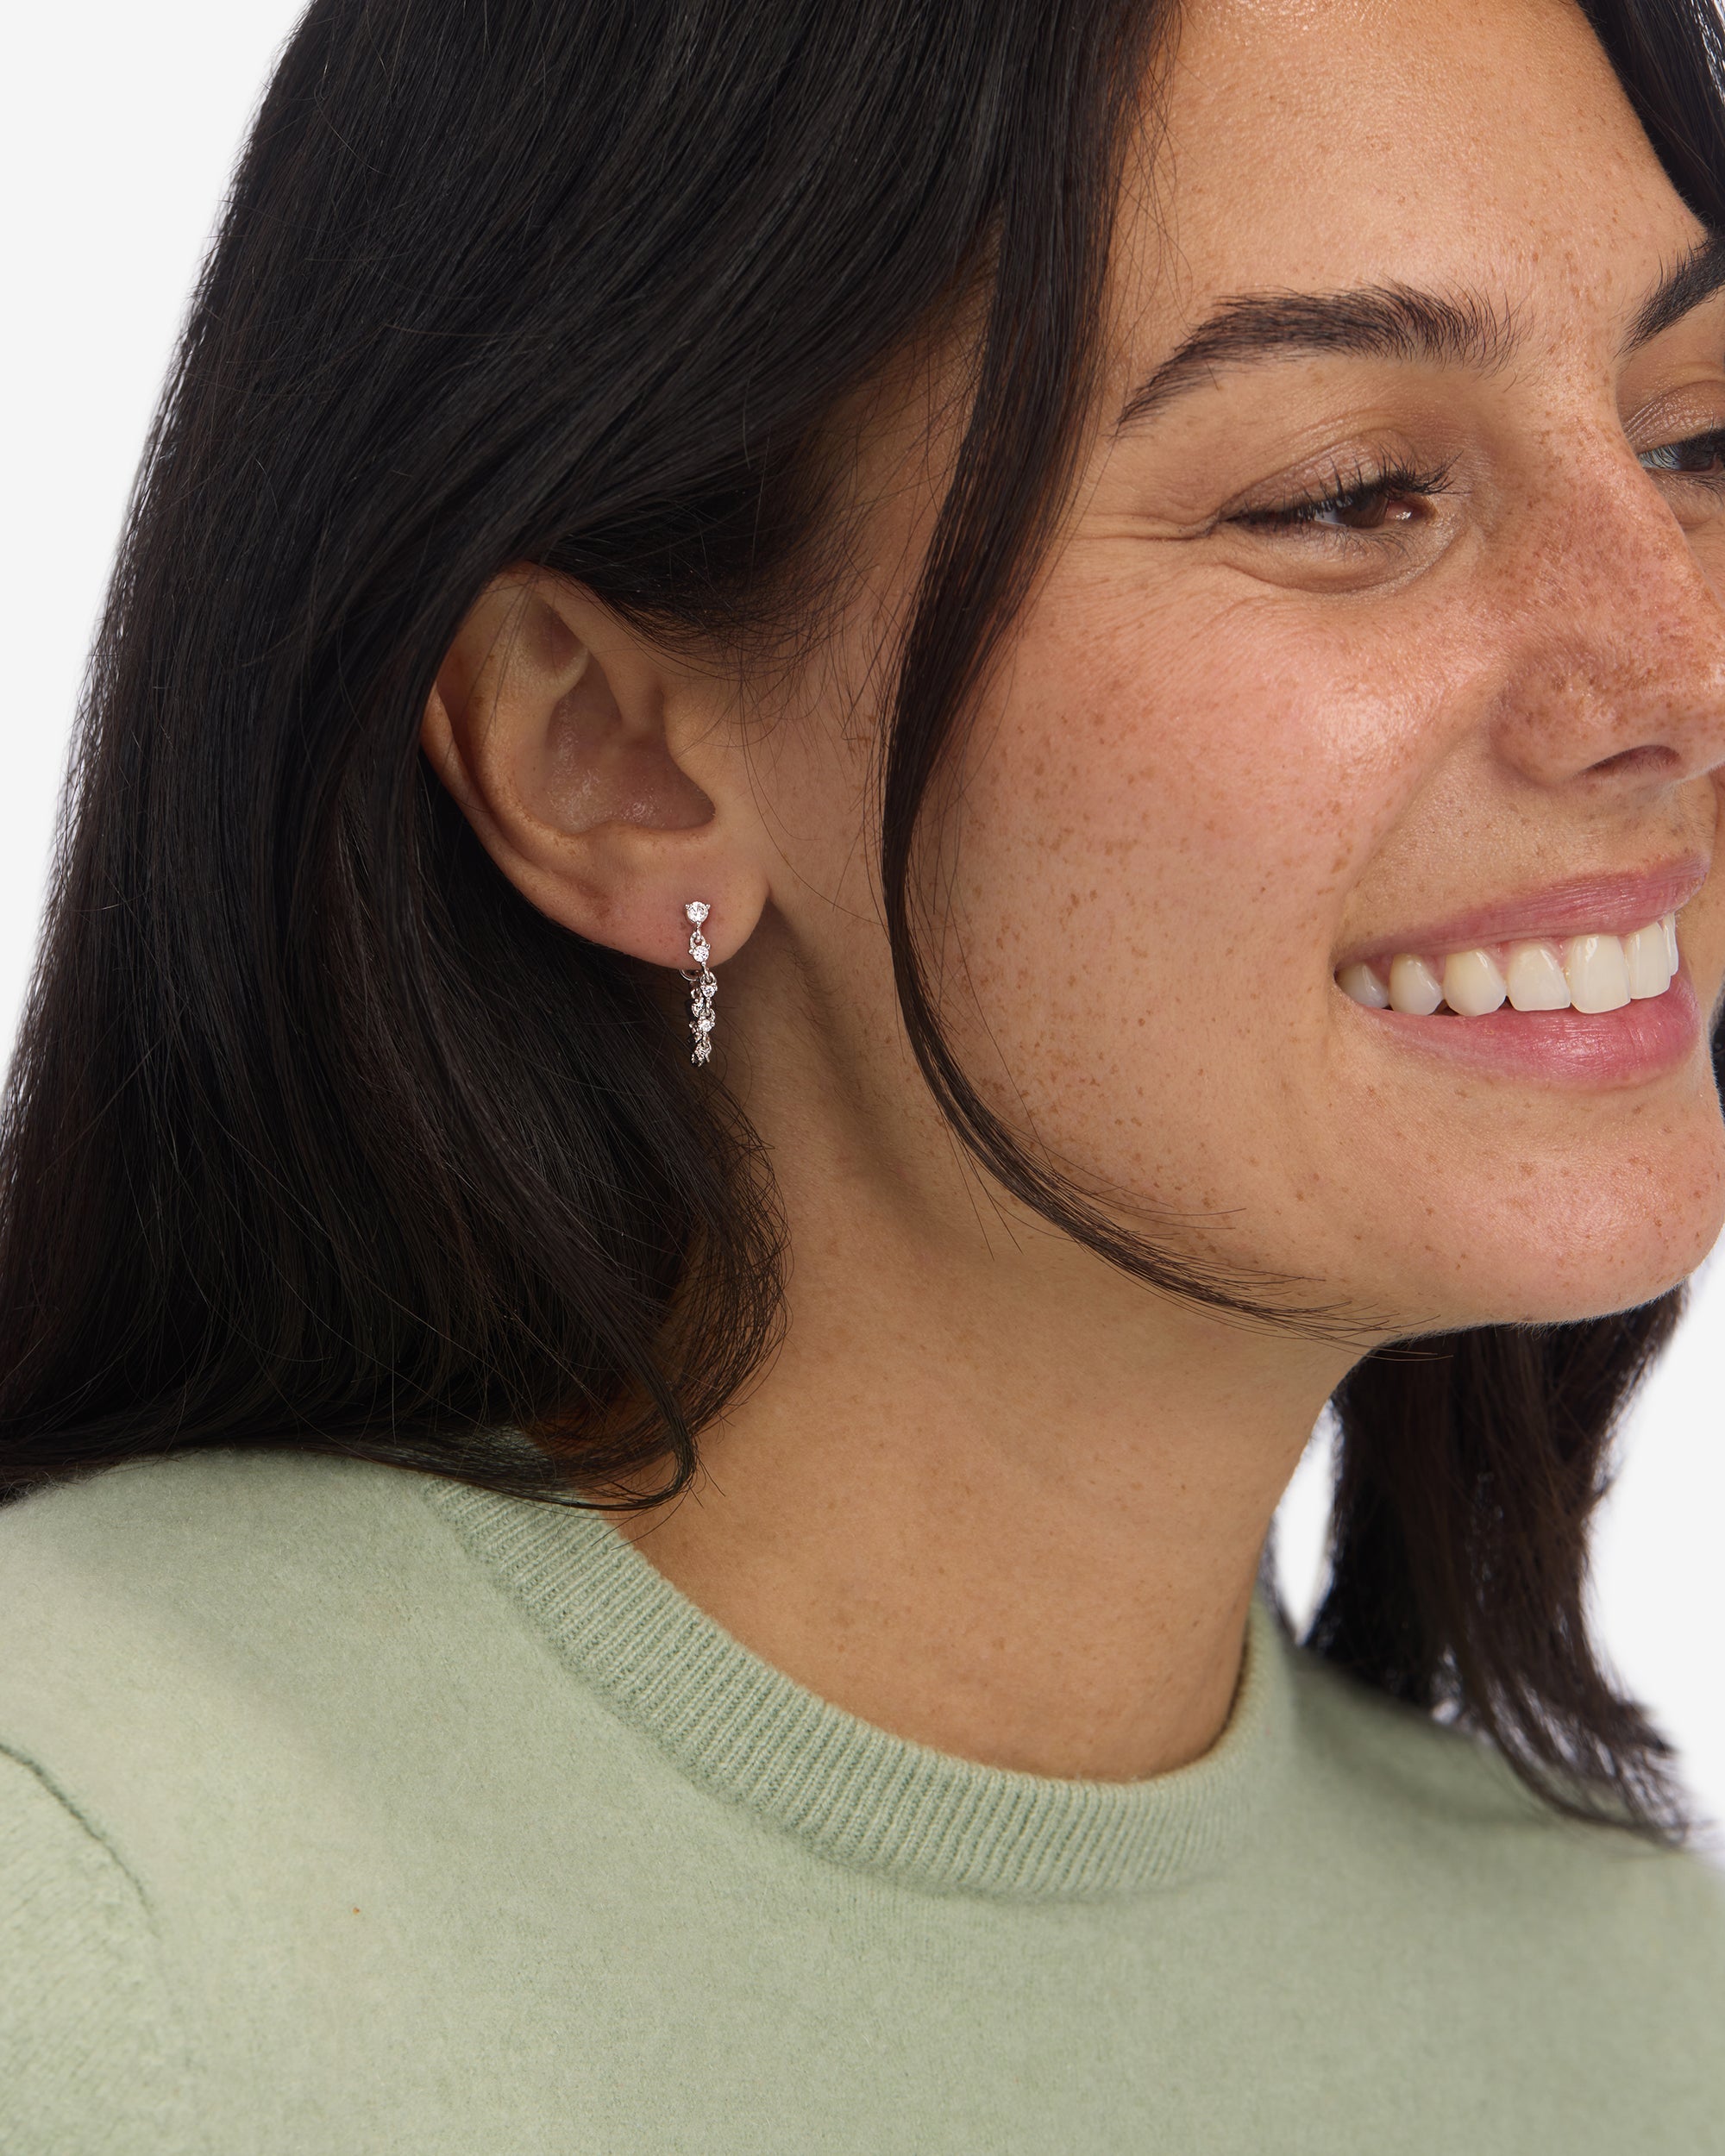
317,1134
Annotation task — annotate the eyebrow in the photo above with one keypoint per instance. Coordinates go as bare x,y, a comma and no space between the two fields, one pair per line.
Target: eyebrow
1694,281
1393,321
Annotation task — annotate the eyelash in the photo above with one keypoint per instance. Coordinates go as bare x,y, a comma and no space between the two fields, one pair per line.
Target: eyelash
1713,442
1356,489
1403,482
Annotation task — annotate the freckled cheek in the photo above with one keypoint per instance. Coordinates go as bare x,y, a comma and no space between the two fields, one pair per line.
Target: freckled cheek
1135,784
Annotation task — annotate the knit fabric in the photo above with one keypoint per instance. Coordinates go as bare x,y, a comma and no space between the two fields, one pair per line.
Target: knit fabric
343,1810
850,1791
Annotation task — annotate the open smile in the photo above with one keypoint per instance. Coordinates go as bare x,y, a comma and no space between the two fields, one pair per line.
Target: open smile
1584,981
1592,973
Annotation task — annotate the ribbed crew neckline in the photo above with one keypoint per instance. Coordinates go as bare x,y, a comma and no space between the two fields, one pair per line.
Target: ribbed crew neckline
856,1794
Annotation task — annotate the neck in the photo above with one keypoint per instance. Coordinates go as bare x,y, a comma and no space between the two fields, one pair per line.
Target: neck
990,1496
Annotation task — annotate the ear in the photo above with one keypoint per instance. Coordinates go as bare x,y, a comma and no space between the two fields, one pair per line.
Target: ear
605,779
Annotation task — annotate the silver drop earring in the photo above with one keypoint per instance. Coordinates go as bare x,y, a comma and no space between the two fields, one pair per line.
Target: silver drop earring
702,985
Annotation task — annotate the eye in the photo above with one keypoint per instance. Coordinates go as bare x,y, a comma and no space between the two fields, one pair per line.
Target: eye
1361,502
1700,457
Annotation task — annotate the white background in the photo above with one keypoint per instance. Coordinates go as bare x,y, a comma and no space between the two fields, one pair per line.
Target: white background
119,136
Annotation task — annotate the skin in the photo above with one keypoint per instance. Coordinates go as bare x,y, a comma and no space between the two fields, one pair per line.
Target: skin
991,1495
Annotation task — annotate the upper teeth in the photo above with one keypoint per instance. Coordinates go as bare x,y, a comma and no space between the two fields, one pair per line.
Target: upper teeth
1591,973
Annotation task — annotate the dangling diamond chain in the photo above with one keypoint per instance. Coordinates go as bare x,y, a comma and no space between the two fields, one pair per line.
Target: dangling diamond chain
702,985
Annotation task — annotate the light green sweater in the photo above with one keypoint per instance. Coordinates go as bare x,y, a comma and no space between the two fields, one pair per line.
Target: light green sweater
342,1810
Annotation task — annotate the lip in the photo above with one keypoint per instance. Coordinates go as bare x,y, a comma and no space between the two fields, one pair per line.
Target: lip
1643,1041
1598,904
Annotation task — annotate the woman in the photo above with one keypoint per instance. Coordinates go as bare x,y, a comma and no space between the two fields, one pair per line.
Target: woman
864,781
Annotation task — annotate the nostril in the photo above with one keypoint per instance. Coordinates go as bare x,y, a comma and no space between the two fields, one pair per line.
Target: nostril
1651,761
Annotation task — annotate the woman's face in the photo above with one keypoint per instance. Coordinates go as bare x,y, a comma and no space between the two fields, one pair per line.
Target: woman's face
1388,621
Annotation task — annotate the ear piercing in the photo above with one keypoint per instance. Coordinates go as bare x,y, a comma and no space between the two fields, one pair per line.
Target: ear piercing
702,985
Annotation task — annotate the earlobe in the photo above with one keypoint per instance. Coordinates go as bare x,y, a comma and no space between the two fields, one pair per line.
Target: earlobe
551,724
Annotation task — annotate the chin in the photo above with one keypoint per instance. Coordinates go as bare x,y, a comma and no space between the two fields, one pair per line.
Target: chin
1561,1265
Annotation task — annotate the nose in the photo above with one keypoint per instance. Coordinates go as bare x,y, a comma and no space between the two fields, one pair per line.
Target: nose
1616,672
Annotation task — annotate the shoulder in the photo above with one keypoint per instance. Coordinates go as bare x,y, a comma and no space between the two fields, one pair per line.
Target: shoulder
90,2051
163,1624
210,1544
1564,1901
236,1698
142,1520
181,1564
